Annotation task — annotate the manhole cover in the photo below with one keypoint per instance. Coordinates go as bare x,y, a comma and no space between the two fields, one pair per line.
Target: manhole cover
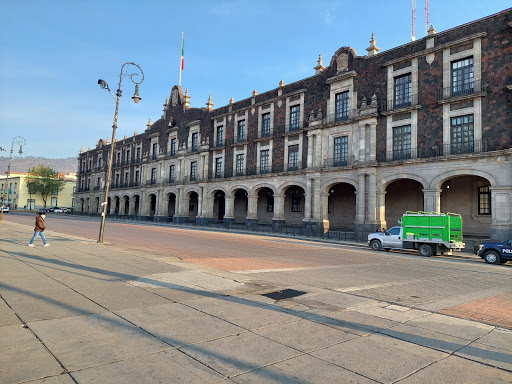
284,294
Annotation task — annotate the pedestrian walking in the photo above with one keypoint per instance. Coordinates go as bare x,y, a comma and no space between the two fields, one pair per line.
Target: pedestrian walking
39,230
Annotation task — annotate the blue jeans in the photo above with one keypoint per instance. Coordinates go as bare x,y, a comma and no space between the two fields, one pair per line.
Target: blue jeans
40,234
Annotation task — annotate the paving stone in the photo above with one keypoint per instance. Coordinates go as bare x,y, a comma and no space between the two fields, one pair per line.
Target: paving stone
158,313
61,379
7,316
75,326
164,367
491,355
122,296
499,338
97,349
305,335
240,353
301,370
379,357
339,299
222,304
26,363
257,317
193,330
384,310
448,325
455,370
16,336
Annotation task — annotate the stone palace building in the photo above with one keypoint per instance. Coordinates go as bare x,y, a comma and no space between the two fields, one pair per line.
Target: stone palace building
426,126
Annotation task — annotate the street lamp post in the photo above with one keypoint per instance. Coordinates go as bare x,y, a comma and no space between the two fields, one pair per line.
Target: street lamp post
136,98
21,142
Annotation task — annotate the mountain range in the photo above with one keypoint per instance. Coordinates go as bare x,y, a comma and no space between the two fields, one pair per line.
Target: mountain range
24,163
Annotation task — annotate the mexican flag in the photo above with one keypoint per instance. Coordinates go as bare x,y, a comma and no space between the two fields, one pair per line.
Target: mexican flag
182,52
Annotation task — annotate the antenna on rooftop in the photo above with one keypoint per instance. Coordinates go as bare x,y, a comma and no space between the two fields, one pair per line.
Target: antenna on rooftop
413,24
427,22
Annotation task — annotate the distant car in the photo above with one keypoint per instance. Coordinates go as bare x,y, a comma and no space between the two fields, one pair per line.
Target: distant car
42,210
5,209
67,210
52,209
58,210
495,252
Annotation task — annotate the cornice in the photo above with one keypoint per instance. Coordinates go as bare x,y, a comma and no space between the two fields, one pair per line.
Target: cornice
340,77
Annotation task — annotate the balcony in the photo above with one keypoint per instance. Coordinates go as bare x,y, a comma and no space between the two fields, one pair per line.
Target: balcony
399,104
397,155
264,134
336,162
154,156
97,188
263,170
295,166
295,127
219,143
240,172
467,90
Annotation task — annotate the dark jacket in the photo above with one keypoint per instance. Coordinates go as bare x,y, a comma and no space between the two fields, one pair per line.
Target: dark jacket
39,224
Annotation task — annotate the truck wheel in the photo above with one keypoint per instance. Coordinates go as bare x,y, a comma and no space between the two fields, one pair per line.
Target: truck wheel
376,245
425,250
491,257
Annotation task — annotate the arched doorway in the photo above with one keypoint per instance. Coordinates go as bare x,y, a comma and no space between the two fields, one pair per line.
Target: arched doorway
401,196
193,203
82,203
116,205
152,205
171,205
97,205
240,206
470,197
265,209
341,206
126,208
136,205
219,205
294,205
108,205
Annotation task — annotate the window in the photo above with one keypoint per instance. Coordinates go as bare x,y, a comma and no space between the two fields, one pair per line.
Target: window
293,157
155,150
340,151
118,159
173,147
265,124
462,132
393,231
128,156
462,77
153,175
193,171
117,181
136,181
126,178
218,167
195,139
99,162
341,106
172,173
98,181
484,201
220,136
264,159
295,118
296,202
240,164
54,202
402,142
270,203
31,203
403,89
240,133
137,155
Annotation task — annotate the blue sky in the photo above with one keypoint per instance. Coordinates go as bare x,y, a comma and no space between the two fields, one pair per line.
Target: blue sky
53,52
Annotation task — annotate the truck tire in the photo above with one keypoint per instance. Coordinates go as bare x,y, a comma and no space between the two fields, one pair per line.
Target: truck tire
425,250
492,257
376,245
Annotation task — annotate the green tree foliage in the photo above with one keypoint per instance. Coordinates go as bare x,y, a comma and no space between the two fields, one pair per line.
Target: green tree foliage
44,180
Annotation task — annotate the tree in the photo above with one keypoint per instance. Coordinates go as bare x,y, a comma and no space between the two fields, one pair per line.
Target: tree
44,180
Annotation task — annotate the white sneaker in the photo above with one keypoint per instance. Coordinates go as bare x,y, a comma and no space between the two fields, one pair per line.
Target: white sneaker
46,245
31,245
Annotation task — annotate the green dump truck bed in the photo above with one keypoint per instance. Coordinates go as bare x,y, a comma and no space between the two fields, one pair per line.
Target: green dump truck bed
432,227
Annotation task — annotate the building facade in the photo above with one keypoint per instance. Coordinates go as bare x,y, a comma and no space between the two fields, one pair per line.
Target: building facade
426,126
19,196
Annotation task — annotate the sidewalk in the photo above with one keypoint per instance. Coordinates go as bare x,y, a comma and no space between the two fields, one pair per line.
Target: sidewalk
80,312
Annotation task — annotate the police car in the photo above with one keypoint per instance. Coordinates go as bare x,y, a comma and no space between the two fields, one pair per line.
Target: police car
495,253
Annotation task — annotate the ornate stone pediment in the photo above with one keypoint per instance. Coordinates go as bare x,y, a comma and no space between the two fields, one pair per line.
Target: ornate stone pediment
342,59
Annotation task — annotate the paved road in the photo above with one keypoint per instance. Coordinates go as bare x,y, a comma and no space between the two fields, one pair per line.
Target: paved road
132,311
453,285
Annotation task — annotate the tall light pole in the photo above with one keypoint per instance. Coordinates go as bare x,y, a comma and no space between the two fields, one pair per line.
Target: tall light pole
21,142
136,98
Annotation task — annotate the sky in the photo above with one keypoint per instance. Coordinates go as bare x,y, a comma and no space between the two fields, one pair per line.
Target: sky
52,53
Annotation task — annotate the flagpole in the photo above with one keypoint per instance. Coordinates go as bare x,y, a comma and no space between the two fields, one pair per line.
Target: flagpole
181,57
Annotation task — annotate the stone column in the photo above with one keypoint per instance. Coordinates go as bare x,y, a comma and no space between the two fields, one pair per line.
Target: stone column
252,210
317,200
200,202
432,200
381,209
308,199
311,139
372,197
230,208
318,157
361,197
362,144
373,142
278,218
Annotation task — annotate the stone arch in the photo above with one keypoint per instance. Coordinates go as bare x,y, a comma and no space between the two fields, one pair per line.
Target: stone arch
211,193
385,181
232,190
337,180
438,181
283,187
152,203
259,186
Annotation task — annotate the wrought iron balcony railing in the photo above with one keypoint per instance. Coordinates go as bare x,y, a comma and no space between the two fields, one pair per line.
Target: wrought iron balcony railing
408,101
469,88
